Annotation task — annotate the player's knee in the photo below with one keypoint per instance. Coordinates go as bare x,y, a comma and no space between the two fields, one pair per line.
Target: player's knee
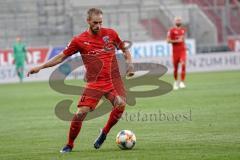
83,110
182,62
119,101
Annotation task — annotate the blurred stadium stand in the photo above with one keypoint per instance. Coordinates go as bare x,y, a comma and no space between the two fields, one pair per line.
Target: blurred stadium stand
54,22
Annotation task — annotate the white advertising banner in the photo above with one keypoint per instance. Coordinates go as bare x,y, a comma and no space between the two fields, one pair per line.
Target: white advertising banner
195,63
8,74
202,62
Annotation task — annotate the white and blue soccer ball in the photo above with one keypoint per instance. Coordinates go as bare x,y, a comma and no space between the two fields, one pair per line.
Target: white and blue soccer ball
126,139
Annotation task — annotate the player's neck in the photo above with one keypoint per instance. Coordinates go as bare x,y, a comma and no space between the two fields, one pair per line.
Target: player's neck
92,33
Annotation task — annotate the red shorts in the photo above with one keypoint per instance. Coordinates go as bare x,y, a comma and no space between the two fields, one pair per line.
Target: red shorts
94,91
179,56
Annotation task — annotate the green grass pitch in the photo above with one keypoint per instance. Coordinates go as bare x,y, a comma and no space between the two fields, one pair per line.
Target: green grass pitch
206,125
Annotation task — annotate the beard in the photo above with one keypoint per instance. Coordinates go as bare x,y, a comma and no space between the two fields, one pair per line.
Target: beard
178,24
95,31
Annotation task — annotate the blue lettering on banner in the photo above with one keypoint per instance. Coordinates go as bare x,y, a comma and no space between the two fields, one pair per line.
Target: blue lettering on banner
157,49
136,52
147,50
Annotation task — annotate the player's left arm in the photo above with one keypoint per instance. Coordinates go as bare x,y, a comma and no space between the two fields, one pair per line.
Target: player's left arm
127,55
128,58
183,35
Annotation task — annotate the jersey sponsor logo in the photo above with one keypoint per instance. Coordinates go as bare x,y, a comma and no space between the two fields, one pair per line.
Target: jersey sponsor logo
86,43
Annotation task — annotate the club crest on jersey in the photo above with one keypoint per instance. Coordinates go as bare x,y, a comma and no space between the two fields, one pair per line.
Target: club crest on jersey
106,39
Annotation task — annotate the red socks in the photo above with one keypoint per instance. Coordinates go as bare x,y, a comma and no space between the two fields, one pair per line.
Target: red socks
115,115
175,71
75,128
77,120
183,72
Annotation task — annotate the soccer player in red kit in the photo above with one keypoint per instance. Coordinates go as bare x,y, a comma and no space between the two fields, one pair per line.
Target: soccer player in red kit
176,36
102,74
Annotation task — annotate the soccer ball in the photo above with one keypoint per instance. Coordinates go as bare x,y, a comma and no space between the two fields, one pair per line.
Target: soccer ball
126,139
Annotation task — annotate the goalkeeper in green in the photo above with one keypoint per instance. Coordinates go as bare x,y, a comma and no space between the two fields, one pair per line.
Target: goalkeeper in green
20,56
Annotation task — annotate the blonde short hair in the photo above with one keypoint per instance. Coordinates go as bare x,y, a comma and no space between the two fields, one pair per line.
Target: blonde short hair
93,11
177,18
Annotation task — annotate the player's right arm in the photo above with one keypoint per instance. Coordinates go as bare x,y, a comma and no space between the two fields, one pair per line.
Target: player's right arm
52,62
71,49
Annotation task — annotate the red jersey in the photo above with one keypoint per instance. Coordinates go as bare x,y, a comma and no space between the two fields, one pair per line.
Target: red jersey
174,34
100,64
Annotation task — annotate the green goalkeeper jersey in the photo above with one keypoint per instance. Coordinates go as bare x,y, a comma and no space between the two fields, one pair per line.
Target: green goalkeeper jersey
19,50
